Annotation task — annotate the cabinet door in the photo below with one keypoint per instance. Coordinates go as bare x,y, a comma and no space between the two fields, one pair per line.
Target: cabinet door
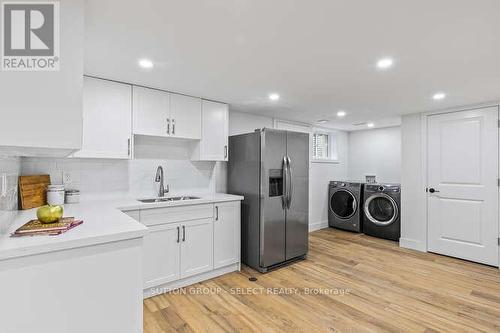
161,250
151,109
214,142
226,234
107,119
185,114
196,247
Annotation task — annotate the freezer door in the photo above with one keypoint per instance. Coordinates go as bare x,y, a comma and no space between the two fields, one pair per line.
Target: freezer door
272,220
297,215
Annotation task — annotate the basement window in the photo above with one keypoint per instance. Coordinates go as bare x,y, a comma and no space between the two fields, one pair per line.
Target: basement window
324,147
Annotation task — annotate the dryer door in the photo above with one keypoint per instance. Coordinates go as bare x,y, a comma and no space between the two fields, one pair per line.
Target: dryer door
381,209
343,204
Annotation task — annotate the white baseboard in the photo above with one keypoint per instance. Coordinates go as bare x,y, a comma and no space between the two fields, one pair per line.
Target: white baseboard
412,244
166,287
318,226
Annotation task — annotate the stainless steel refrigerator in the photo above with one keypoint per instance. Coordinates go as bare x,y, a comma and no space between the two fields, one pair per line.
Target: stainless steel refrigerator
270,168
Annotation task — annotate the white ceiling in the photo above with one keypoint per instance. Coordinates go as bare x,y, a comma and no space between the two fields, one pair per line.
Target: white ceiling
319,55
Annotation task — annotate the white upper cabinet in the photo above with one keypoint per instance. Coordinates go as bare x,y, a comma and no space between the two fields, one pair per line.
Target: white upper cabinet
213,145
107,119
151,109
41,111
185,116
159,113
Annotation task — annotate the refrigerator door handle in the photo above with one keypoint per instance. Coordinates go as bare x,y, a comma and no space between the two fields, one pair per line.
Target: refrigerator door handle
289,182
285,183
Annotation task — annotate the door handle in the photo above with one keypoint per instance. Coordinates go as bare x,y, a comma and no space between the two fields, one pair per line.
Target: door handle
225,151
183,233
216,213
432,190
173,126
168,126
178,234
128,145
285,183
290,185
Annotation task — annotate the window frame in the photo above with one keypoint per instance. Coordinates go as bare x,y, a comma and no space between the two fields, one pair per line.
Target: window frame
332,147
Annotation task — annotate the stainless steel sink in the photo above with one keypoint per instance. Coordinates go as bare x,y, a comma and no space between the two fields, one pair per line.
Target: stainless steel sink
169,199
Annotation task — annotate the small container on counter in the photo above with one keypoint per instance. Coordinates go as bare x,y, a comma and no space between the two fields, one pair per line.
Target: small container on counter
55,195
72,196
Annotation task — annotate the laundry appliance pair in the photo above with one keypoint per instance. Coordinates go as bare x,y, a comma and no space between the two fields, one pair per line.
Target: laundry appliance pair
373,209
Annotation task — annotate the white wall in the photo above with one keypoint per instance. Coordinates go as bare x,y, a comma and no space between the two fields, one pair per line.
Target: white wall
413,221
240,122
320,174
375,152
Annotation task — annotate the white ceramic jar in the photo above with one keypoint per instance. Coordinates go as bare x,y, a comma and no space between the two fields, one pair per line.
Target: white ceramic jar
55,194
72,196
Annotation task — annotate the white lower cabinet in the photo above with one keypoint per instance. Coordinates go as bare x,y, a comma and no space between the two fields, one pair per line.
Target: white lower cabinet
196,247
191,245
161,255
226,234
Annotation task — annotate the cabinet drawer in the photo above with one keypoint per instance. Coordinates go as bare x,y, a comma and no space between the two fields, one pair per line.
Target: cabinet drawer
176,214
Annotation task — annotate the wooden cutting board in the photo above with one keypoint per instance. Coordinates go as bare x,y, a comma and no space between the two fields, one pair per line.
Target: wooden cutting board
33,191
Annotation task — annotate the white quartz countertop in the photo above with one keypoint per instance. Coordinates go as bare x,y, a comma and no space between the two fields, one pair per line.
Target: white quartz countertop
104,222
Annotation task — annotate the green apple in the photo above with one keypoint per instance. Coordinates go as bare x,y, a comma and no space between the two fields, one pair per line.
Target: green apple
49,213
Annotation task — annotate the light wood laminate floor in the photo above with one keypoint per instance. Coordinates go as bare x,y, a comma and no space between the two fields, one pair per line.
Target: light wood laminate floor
364,284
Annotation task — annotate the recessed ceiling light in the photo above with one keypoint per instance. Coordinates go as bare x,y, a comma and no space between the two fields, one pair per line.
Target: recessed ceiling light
370,125
438,96
322,121
341,113
385,63
274,97
146,63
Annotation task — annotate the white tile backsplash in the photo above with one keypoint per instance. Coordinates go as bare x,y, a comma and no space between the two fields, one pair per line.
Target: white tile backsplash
10,169
126,177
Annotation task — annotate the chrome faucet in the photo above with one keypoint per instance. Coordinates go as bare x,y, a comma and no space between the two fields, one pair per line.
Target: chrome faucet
160,179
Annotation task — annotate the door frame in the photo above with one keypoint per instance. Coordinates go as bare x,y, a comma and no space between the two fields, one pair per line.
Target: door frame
424,154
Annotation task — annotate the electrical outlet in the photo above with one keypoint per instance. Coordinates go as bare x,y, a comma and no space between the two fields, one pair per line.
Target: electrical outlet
70,178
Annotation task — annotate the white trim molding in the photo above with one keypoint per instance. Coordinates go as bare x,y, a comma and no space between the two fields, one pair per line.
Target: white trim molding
413,244
318,226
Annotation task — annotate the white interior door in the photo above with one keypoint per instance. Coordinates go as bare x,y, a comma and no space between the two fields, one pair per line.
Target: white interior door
462,184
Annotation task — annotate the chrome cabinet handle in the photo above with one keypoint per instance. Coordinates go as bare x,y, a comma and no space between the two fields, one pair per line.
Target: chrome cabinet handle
225,151
168,126
216,213
183,233
178,234
173,126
